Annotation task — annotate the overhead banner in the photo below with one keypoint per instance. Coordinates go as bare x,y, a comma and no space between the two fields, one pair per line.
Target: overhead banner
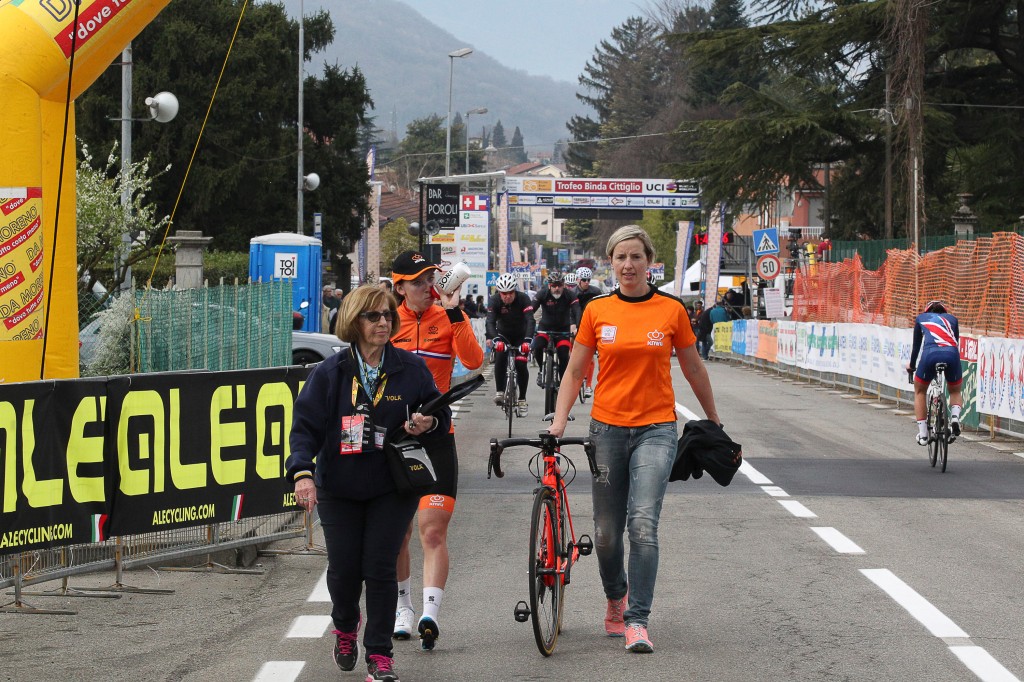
610,193
84,460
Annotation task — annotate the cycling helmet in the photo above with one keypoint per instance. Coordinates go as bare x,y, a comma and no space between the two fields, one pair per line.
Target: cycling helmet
934,307
555,277
506,282
584,273
570,279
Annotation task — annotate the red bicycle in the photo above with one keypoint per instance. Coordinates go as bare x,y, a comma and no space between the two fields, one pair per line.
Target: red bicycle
553,544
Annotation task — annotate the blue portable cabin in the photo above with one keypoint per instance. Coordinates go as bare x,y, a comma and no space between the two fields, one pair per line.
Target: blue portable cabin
288,255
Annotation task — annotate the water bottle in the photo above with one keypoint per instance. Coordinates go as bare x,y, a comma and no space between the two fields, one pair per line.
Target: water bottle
453,279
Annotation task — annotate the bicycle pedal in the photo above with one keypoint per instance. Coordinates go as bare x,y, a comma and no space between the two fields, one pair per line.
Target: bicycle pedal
585,545
521,612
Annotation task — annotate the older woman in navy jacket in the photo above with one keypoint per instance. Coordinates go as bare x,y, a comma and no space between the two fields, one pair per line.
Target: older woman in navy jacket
349,403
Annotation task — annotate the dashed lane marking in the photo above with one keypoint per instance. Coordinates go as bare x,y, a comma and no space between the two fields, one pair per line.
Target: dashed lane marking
837,540
309,627
774,491
279,671
916,605
982,664
797,509
320,592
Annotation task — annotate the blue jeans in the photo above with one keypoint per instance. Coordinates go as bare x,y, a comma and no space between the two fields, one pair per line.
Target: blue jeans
634,463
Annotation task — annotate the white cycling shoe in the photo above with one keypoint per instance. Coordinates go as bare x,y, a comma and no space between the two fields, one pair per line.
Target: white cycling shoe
405,622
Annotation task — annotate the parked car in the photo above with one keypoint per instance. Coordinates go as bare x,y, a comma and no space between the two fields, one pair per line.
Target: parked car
310,347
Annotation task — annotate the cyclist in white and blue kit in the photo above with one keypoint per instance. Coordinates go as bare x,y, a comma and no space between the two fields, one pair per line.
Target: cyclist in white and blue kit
937,338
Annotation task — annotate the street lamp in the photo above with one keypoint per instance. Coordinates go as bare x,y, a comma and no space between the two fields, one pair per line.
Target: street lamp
311,181
452,56
478,110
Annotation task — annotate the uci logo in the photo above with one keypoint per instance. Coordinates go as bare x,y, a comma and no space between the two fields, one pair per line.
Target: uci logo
655,338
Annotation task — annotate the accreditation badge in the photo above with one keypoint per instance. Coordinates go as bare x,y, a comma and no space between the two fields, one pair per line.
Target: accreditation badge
352,434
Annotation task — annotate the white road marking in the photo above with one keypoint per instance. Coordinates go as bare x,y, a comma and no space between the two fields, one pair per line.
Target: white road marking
279,671
981,663
320,592
755,476
685,412
310,627
837,540
797,509
916,605
774,491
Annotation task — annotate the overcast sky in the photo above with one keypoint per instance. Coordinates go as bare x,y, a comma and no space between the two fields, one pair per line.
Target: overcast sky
522,33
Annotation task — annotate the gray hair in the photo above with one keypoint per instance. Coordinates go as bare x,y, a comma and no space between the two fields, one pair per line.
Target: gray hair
631,232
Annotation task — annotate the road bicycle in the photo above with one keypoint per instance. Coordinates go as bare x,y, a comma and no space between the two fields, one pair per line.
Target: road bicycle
554,547
510,399
550,376
939,430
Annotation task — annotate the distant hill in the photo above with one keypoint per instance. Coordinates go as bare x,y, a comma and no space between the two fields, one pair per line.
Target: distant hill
405,60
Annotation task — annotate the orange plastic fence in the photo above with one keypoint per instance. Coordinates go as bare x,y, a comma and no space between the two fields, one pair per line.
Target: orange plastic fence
980,281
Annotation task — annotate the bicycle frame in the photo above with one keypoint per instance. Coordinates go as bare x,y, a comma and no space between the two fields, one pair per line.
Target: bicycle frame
550,377
553,544
937,416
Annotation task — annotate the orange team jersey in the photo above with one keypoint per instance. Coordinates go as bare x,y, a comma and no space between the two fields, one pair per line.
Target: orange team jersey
634,338
436,339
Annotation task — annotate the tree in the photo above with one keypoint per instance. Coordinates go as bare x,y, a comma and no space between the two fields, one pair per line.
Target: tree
517,154
394,239
421,153
242,181
102,220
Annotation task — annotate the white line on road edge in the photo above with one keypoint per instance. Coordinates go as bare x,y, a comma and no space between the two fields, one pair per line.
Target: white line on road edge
774,491
981,663
755,476
916,605
837,540
320,592
685,412
310,627
797,509
279,671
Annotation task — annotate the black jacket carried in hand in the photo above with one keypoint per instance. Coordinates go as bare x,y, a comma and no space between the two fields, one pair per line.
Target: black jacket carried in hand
705,446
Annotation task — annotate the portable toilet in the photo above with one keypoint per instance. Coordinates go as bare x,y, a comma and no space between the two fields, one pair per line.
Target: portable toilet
292,256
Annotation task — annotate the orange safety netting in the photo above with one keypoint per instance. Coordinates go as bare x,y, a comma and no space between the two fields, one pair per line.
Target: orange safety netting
980,281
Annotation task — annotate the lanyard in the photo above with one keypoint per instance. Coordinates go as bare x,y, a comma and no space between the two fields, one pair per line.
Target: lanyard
376,398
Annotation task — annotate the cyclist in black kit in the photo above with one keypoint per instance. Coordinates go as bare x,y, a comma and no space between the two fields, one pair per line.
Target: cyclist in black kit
510,316
559,313
585,293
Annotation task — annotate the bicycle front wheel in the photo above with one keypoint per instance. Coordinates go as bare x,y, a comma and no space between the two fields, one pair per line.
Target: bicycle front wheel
550,387
511,396
545,580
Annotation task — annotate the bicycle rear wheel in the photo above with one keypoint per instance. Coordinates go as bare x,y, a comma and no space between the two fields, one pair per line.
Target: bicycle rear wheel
942,436
545,581
933,432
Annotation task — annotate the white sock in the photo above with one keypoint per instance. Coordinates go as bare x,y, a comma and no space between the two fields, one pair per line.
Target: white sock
955,410
432,597
405,593
922,427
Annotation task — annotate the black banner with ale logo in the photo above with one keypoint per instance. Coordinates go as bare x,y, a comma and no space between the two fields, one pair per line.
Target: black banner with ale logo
85,459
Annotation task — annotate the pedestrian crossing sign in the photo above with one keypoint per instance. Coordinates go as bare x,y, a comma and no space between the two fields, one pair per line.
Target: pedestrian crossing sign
766,241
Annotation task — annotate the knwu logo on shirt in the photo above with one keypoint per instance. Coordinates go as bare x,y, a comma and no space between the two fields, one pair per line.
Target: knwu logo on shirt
655,338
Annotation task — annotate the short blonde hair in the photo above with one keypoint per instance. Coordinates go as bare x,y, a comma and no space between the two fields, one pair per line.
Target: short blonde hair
364,298
631,232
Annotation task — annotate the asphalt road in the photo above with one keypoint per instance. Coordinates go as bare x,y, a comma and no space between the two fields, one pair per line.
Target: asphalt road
757,581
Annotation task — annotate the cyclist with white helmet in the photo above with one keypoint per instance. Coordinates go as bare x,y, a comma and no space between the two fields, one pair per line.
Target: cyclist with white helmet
585,292
559,313
510,321
937,338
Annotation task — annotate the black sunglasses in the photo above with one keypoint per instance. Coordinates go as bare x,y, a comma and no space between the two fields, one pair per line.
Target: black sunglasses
557,284
373,316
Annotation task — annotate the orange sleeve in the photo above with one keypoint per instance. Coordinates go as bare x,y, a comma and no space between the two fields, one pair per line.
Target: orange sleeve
469,352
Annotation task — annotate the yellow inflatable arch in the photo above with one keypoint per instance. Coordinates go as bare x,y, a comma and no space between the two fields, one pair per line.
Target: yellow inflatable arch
36,42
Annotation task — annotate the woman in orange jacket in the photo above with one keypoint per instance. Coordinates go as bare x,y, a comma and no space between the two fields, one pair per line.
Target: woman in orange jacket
438,334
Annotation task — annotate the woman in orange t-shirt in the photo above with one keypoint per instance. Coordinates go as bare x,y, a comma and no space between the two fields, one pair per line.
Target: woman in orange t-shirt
633,423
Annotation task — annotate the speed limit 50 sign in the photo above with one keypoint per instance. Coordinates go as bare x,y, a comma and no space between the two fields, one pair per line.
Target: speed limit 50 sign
768,266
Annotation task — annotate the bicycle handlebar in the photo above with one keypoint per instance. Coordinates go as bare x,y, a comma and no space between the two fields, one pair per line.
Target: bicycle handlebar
546,442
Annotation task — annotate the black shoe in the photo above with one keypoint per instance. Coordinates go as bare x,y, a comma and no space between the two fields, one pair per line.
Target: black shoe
429,632
381,669
540,381
346,649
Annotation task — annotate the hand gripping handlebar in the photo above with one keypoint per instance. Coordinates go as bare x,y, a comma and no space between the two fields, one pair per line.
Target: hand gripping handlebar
546,442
